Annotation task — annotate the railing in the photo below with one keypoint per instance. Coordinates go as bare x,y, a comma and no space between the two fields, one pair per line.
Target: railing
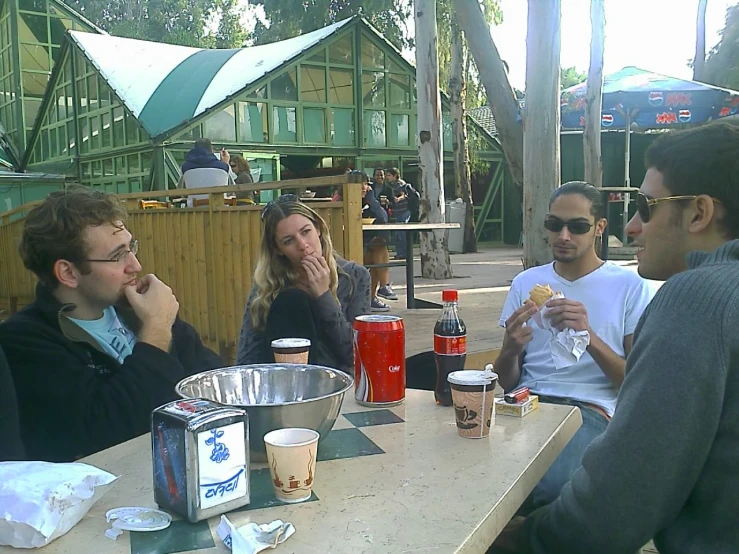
206,254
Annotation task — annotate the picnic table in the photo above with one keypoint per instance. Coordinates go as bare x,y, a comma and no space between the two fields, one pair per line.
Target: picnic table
408,228
387,480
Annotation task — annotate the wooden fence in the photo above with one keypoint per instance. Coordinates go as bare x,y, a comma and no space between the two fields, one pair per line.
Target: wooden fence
206,254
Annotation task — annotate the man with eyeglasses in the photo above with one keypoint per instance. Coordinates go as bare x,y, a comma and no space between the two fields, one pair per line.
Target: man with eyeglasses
601,298
667,467
99,348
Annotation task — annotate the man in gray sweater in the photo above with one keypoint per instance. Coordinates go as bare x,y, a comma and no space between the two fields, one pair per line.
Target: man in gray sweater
667,467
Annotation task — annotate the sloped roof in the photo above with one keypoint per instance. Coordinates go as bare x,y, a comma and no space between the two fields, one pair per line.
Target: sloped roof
165,85
483,116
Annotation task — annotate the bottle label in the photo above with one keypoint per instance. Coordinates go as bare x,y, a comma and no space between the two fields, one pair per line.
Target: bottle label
450,346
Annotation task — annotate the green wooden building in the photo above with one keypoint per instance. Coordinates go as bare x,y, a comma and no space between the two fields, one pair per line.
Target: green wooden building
31,36
121,114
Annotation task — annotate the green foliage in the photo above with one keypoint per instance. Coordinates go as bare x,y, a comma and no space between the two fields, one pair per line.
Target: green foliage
722,65
570,76
172,21
291,18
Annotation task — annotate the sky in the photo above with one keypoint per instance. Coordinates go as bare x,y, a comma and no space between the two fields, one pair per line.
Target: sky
656,35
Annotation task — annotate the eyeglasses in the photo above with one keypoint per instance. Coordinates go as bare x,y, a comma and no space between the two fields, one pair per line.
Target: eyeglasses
121,256
574,226
284,199
644,203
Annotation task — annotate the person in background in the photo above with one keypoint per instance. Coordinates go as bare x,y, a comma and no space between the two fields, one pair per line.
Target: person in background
666,466
404,195
240,168
100,347
575,227
203,169
302,289
384,195
375,242
11,446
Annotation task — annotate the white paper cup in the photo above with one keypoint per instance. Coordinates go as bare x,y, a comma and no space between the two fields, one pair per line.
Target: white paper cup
291,455
473,395
291,351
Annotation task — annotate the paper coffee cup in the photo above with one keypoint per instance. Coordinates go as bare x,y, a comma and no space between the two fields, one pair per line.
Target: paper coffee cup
473,395
291,455
291,351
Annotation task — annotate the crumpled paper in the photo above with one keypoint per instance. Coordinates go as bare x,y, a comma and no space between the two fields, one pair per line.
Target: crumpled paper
253,538
41,501
568,345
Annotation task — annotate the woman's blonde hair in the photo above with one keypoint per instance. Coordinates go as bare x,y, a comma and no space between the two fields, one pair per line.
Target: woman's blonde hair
241,164
274,272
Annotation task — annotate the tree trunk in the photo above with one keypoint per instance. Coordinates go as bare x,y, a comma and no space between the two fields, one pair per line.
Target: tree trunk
435,263
541,126
594,97
462,184
501,98
699,63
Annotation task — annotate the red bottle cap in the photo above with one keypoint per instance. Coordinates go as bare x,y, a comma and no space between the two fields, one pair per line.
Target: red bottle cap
449,296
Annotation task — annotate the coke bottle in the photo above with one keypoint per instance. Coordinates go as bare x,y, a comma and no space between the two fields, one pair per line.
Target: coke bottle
450,346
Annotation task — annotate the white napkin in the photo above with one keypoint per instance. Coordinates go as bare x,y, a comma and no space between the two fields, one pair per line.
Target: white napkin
568,345
253,538
40,501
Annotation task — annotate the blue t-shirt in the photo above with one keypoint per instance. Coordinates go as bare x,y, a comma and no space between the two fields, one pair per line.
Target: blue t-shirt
114,337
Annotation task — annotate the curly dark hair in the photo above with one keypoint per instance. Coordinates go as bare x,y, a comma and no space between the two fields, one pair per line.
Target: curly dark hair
704,160
54,230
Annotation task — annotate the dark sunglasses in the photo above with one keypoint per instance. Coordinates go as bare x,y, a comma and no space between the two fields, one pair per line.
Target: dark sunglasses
284,199
644,203
574,226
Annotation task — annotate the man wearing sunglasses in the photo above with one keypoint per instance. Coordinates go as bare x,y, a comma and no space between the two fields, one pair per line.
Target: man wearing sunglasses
99,348
603,299
667,467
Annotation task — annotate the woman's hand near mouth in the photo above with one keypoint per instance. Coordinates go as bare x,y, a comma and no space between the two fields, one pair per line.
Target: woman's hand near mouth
318,274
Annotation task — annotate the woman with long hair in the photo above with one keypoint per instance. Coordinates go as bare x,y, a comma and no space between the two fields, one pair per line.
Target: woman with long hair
302,289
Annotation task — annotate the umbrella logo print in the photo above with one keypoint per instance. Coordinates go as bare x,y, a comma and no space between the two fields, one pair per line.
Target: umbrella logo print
684,116
607,119
656,99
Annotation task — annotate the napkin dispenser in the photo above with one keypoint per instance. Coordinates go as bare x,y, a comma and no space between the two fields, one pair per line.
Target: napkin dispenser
200,452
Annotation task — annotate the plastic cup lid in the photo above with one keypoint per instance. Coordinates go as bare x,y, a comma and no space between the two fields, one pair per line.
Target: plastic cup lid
291,343
139,519
472,377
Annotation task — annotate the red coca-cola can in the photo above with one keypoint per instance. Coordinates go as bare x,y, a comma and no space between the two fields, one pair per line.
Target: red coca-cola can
379,360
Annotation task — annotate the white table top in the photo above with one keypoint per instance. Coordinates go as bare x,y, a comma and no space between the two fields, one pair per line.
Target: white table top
430,491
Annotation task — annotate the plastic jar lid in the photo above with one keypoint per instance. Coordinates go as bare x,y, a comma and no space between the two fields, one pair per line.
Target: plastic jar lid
472,377
291,343
138,519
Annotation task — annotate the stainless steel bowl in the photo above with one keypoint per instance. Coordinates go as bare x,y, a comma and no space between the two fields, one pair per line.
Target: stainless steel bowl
274,396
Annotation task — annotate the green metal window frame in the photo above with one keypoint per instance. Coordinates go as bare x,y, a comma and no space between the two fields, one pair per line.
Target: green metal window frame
51,13
392,73
261,92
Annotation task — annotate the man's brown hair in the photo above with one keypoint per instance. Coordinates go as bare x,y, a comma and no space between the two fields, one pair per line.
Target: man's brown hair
54,230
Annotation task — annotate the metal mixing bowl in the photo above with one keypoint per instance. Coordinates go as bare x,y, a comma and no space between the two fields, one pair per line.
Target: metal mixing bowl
274,396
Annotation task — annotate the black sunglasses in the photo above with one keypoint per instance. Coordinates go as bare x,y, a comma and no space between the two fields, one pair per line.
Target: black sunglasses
574,226
284,199
644,203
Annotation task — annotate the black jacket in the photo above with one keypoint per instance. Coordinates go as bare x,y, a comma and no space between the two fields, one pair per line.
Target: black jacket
11,447
73,398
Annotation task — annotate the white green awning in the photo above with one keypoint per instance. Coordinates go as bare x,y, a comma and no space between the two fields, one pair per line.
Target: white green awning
165,85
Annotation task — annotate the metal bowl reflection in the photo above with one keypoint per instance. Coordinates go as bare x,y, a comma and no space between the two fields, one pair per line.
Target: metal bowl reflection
275,396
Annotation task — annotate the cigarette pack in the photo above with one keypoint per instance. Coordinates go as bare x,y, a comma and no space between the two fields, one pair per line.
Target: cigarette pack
519,409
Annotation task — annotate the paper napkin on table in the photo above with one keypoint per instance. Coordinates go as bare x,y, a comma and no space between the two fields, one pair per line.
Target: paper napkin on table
253,538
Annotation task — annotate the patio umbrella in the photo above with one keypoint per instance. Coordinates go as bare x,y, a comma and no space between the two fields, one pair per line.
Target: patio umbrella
633,96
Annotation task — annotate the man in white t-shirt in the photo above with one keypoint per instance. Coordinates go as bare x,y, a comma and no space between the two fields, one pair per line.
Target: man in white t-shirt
602,298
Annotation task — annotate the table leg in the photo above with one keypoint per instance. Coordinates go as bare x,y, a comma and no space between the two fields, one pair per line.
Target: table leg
412,302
